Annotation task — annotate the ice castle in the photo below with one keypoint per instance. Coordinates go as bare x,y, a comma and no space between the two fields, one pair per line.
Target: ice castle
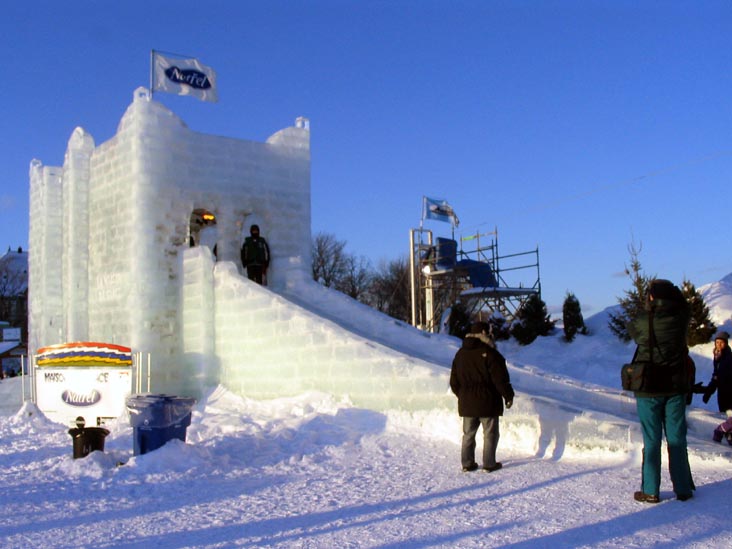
113,258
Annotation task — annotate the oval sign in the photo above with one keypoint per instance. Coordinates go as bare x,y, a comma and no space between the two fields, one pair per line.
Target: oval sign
72,398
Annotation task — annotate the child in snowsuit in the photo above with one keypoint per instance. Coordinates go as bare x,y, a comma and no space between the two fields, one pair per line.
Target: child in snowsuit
724,430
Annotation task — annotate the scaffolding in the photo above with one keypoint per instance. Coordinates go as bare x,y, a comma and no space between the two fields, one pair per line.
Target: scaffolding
473,274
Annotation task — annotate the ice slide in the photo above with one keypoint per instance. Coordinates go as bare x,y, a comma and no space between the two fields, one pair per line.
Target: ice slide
551,411
311,338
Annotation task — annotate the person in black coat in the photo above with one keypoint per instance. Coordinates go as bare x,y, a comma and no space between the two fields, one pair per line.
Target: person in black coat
479,378
255,255
722,377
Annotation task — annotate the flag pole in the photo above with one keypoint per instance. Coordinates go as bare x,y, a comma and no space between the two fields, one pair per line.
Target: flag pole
152,72
421,221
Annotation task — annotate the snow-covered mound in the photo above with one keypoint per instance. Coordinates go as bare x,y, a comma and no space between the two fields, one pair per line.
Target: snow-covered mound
718,297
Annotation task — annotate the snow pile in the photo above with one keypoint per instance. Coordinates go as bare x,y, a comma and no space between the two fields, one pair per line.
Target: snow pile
718,297
311,471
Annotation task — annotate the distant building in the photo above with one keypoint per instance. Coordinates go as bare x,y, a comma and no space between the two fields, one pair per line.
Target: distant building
10,358
14,291
13,310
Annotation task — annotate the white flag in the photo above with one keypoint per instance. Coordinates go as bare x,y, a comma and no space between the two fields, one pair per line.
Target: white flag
184,77
440,210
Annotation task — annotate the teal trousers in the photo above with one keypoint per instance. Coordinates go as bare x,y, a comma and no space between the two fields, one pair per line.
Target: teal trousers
658,415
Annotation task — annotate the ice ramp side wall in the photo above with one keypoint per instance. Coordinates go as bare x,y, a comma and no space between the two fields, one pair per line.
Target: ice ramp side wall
267,346
372,324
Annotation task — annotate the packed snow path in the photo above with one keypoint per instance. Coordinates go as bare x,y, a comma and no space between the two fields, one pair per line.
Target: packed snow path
312,472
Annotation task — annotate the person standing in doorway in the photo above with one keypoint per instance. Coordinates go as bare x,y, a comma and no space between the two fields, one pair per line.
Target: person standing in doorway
479,378
255,256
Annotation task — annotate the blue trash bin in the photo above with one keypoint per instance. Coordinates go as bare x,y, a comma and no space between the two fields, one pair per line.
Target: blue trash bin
158,418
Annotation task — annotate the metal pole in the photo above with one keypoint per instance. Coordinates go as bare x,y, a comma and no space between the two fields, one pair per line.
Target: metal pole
429,305
148,372
138,365
412,275
538,273
32,380
22,376
496,256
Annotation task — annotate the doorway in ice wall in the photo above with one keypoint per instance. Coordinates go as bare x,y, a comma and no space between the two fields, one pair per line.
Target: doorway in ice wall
203,230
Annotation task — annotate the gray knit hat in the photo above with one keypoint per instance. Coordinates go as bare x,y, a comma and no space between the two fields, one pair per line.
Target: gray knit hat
722,335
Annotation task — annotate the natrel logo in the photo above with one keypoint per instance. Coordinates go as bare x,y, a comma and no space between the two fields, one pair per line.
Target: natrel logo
191,77
76,399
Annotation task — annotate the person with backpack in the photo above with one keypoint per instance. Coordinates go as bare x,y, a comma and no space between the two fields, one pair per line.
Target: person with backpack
660,333
721,381
255,255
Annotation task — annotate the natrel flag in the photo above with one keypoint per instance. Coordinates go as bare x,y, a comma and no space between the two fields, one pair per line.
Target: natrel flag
439,210
184,76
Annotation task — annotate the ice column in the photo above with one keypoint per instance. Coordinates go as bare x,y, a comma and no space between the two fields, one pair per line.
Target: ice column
197,312
76,235
45,306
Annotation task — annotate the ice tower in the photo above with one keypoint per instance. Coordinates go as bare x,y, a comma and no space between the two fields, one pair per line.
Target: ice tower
114,258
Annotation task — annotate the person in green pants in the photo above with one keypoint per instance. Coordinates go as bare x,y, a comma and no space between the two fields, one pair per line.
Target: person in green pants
660,333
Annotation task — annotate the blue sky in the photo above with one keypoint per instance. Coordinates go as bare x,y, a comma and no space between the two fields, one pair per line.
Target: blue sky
576,126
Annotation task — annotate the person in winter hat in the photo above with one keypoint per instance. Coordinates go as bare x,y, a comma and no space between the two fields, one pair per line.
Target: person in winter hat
721,381
724,430
660,333
479,378
255,255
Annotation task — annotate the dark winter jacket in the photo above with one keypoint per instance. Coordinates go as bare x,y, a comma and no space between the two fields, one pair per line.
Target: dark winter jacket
722,379
668,351
255,251
479,378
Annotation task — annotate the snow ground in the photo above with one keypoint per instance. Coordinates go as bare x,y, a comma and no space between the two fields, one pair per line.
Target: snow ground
314,471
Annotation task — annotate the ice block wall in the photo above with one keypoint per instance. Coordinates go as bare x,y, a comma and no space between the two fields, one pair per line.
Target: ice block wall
268,347
113,280
198,320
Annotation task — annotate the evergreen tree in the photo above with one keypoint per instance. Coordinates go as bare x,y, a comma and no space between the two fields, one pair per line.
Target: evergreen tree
634,299
574,323
532,321
701,327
